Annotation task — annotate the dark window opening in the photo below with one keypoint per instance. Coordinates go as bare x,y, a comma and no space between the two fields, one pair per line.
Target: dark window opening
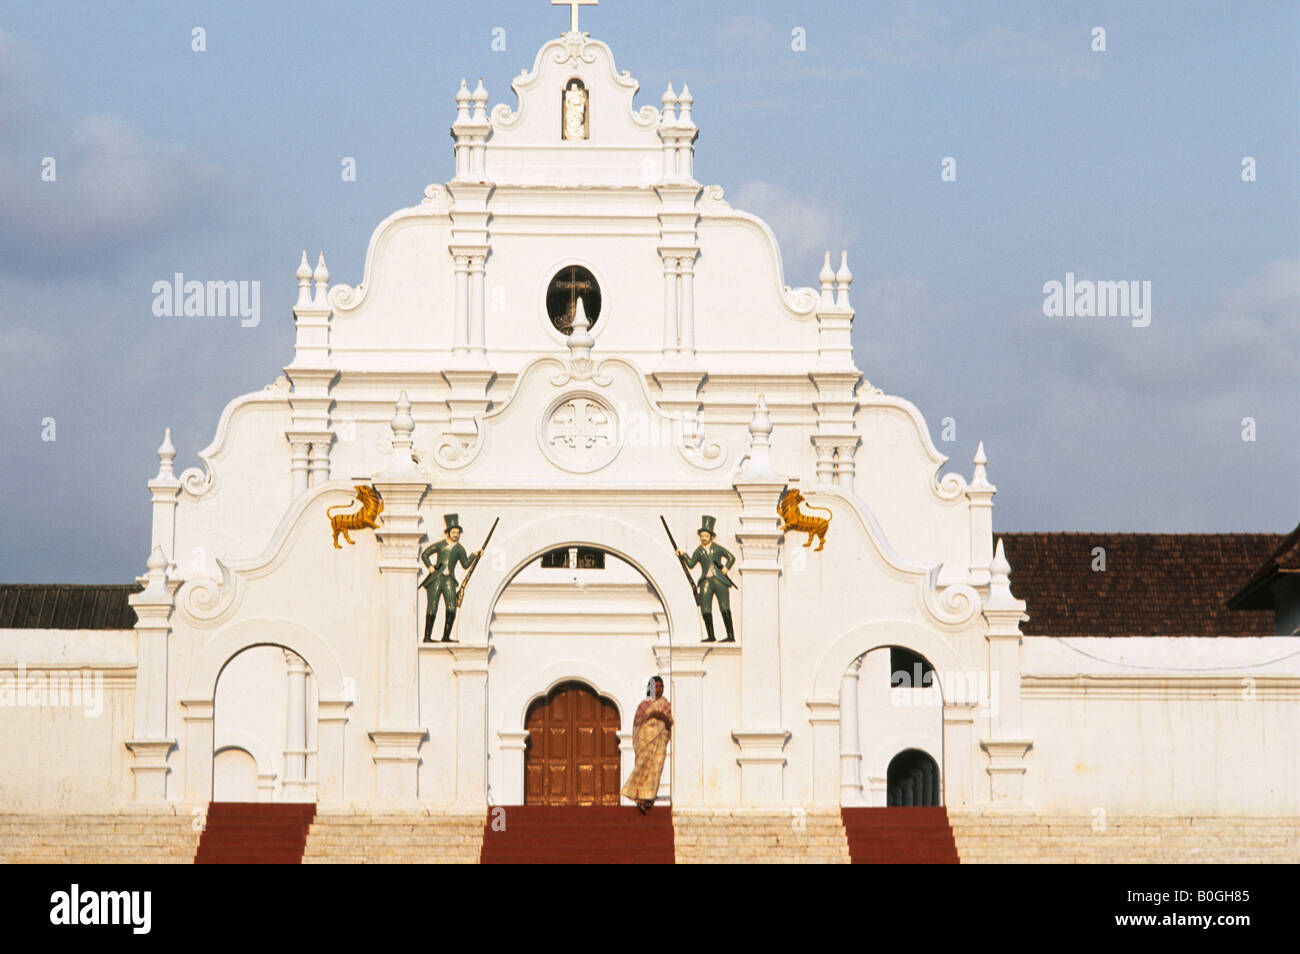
912,780
909,670
568,286
588,558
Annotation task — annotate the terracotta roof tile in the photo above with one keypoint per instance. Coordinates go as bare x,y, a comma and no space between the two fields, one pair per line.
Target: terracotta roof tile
1154,584
1256,593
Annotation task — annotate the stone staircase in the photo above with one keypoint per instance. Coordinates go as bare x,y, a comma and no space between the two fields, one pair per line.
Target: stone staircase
910,836
751,837
1133,839
91,839
554,834
254,833
403,838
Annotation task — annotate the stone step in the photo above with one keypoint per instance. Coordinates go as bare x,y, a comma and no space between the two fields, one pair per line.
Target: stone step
128,838
395,839
1140,839
729,838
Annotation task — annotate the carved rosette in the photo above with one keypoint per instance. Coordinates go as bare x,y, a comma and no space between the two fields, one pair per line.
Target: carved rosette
580,432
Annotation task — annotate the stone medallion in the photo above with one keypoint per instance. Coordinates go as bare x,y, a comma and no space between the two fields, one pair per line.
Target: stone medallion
579,433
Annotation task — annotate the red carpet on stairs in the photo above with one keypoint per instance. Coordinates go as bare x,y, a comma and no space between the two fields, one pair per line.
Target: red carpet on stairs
909,836
561,834
255,833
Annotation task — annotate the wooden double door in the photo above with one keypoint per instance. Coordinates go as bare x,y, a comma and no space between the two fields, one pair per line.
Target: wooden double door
572,753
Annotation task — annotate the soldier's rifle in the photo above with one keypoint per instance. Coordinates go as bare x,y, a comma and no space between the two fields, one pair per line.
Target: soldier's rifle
695,590
460,593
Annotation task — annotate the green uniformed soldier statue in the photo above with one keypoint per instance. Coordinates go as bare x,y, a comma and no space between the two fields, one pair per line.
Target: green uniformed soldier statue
441,582
715,560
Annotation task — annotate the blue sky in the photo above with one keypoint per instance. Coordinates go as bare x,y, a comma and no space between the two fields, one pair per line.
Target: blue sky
1115,165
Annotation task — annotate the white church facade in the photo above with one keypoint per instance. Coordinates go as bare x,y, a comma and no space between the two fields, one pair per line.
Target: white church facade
576,341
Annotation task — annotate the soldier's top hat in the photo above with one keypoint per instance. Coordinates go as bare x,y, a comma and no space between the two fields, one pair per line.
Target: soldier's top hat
706,525
452,521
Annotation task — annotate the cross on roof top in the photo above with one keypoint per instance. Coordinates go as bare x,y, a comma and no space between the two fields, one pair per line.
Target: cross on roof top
573,10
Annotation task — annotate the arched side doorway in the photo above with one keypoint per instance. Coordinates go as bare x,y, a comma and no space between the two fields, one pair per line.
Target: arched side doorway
264,713
948,698
890,701
572,753
325,721
912,780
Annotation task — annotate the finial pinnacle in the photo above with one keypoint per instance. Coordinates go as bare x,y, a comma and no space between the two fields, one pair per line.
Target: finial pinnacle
843,279
980,478
827,274
999,567
580,339
166,454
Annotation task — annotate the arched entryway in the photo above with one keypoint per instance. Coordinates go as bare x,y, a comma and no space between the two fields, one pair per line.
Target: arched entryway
325,717
572,753
264,728
890,702
887,659
912,780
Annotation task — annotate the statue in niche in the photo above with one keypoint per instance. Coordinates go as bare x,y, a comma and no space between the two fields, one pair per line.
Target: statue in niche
575,111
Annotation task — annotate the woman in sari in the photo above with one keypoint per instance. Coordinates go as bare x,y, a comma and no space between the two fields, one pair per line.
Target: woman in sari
650,730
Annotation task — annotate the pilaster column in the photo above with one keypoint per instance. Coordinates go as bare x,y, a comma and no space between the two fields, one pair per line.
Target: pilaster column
824,717
150,744
762,736
1006,747
850,745
959,754
331,719
682,667
471,672
295,743
670,306
845,467
398,736
299,451
825,461
836,438
513,743
320,458
470,245
460,317
476,305
198,753
686,273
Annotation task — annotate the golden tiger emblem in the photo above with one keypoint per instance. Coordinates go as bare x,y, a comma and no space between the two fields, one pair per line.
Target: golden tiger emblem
800,522
365,518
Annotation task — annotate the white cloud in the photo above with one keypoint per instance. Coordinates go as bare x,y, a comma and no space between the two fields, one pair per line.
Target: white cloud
804,226
113,190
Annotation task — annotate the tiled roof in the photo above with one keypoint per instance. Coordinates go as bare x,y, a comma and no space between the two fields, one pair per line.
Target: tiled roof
1257,592
66,606
1154,584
